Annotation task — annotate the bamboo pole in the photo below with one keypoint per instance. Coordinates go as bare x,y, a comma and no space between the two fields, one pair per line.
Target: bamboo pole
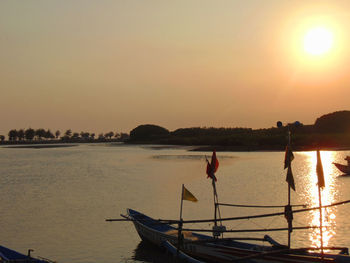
171,221
259,206
290,227
262,215
321,218
251,230
179,237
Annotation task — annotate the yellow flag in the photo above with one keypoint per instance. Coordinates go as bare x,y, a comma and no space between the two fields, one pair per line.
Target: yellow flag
187,195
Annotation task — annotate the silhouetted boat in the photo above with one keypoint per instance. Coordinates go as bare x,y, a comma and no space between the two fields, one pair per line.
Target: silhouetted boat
10,256
192,245
344,168
210,249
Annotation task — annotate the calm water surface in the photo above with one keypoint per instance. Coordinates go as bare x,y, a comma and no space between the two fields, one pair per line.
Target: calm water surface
56,200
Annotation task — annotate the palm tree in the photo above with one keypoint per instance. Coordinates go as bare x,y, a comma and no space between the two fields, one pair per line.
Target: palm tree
2,138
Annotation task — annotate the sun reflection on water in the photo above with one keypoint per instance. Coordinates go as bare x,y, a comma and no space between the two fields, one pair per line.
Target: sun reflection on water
328,194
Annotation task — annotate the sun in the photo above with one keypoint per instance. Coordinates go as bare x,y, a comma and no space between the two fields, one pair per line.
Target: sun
318,41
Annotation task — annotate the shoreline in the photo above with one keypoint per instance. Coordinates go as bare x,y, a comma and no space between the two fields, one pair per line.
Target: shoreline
40,146
191,148
265,148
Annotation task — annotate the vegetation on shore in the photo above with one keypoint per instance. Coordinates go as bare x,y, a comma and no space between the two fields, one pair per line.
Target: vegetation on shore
330,131
30,136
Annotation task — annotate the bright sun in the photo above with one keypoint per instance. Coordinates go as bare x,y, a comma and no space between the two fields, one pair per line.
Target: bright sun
318,41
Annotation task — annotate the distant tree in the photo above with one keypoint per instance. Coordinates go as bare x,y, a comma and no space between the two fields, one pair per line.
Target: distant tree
75,135
338,121
148,132
68,133
85,135
2,138
116,135
101,136
57,134
92,136
13,135
20,134
29,134
109,135
40,133
124,136
49,134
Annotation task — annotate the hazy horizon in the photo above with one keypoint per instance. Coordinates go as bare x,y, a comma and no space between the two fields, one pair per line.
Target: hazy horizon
102,66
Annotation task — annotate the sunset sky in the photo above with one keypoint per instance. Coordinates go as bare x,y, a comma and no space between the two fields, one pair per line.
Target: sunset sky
103,66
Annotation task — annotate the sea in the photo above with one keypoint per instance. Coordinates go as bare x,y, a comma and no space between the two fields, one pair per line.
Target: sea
56,200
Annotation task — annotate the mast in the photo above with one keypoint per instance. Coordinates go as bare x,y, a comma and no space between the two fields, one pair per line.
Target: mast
179,232
290,227
320,184
288,213
321,217
211,169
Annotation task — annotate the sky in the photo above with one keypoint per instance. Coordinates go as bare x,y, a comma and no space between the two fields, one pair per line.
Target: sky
100,66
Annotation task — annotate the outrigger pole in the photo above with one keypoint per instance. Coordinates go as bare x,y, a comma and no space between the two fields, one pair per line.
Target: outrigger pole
170,221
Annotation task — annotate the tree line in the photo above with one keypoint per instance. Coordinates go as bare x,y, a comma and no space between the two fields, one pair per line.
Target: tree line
329,131
42,134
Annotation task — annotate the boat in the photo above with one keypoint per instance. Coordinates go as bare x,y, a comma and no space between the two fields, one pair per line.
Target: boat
11,256
209,249
216,248
344,168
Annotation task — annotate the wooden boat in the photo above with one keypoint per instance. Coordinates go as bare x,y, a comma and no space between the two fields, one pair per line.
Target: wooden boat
221,250
344,168
210,249
10,256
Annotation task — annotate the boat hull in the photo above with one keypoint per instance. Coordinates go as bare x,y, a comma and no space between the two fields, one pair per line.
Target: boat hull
204,248
343,168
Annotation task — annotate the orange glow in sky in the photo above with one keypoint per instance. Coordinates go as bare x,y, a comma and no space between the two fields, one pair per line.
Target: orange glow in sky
112,65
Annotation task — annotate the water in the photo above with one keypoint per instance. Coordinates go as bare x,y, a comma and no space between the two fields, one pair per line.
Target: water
56,200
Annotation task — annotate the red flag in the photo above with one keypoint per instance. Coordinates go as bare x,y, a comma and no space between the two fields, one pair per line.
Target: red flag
288,158
212,167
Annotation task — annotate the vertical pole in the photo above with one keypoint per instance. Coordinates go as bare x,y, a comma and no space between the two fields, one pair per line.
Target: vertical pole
182,194
321,219
215,202
179,234
288,219
289,227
